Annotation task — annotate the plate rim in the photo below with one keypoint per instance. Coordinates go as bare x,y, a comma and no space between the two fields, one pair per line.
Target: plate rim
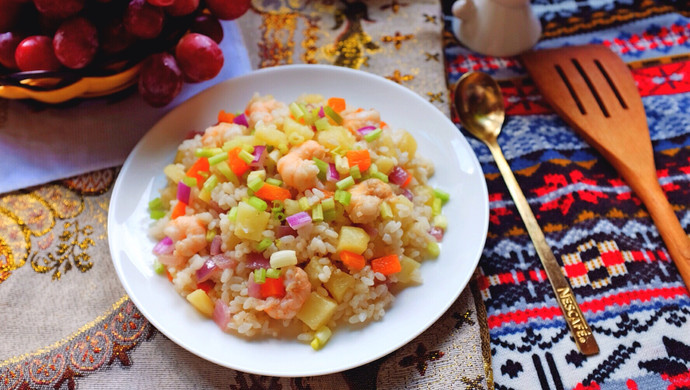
117,188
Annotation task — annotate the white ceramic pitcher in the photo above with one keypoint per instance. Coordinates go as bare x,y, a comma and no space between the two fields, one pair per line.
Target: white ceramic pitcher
496,27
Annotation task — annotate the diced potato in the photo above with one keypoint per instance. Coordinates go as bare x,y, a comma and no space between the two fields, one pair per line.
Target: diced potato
296,133
201,301
270,135
339,283
311,98
336,136
174,172
385,164
250,222
424,192
407,143
353,239
291,207
401,200
409,266
313,269
317,310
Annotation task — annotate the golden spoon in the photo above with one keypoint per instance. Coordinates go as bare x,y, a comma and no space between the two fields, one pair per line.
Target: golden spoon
479,103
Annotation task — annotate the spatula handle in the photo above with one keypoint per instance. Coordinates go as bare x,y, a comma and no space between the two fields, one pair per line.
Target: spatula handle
579,328
676,239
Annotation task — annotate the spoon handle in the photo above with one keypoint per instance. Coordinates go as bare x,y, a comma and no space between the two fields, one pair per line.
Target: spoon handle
580,330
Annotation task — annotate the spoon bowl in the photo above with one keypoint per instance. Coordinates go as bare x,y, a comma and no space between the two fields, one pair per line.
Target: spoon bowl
478,102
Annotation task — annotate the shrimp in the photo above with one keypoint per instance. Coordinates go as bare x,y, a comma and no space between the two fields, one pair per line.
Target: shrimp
188,233
265,109
354,120
215,136
366,200
297,168
297,289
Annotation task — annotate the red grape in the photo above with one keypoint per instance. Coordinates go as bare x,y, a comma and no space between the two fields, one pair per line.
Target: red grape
59,9
228,10
8,14
161,3
143,20
36,53
199,57
182,7
75,42
114,37
8,44
208,25
160,79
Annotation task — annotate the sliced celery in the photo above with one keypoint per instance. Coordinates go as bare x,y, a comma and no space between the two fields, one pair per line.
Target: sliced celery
257,203
345,183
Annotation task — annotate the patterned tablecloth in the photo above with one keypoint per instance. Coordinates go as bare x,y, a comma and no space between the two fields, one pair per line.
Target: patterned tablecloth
66,322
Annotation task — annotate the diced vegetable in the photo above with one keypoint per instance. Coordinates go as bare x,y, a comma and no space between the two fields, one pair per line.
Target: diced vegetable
385,210
366,130
343,197
256,260
209,185
386,265
210,235
164,246
333,115
158,267
259,156
206,270
407,144
298,220
441,221
232,214
317,310
237,165
257,203
353,239
321,337
263,244
297,133
408,267
371,136
400,177
283,258
195,171
241,120
273,273
322,124
328,204
337,104
323,168
272,288
255,183
313,269
296,110
355,172
227,117
361,158
317,213
179,210
221,314
157,214
335,137
260,275
183,192
206,152
201,301
338,284
433,249
250,222
436,207
345,183
353,261
270,192
218,158
269,134
246,156
174,172
379,175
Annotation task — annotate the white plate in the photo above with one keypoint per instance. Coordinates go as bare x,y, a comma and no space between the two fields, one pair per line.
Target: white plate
414,310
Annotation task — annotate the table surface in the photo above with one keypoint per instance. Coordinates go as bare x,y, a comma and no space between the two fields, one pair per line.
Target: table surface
629,290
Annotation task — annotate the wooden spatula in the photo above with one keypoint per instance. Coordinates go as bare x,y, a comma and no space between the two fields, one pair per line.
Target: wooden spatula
592,89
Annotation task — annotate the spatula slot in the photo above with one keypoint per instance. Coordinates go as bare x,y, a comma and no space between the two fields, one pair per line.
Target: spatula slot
611,84
584,76
580,107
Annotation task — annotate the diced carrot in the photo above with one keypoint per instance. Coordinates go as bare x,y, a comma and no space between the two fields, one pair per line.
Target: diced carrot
226,117
272,288
359,157
337,104
207,285
327,194
200,165
270,192
386,265
383,124
237,165
170,277
178,210
353,261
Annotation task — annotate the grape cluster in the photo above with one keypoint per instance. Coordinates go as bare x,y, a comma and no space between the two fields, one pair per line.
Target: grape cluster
177,40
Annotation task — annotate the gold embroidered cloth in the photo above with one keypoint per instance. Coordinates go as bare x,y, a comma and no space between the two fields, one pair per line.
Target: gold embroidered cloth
66,320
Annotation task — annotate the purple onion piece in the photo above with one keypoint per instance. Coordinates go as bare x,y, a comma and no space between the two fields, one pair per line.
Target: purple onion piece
256,260
437,233
332,173
408,194
259,156
366,130
204,273
241,120
164,247
224,262
253,288
285,230
321,113
221,314
215,245
398,176
298,220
